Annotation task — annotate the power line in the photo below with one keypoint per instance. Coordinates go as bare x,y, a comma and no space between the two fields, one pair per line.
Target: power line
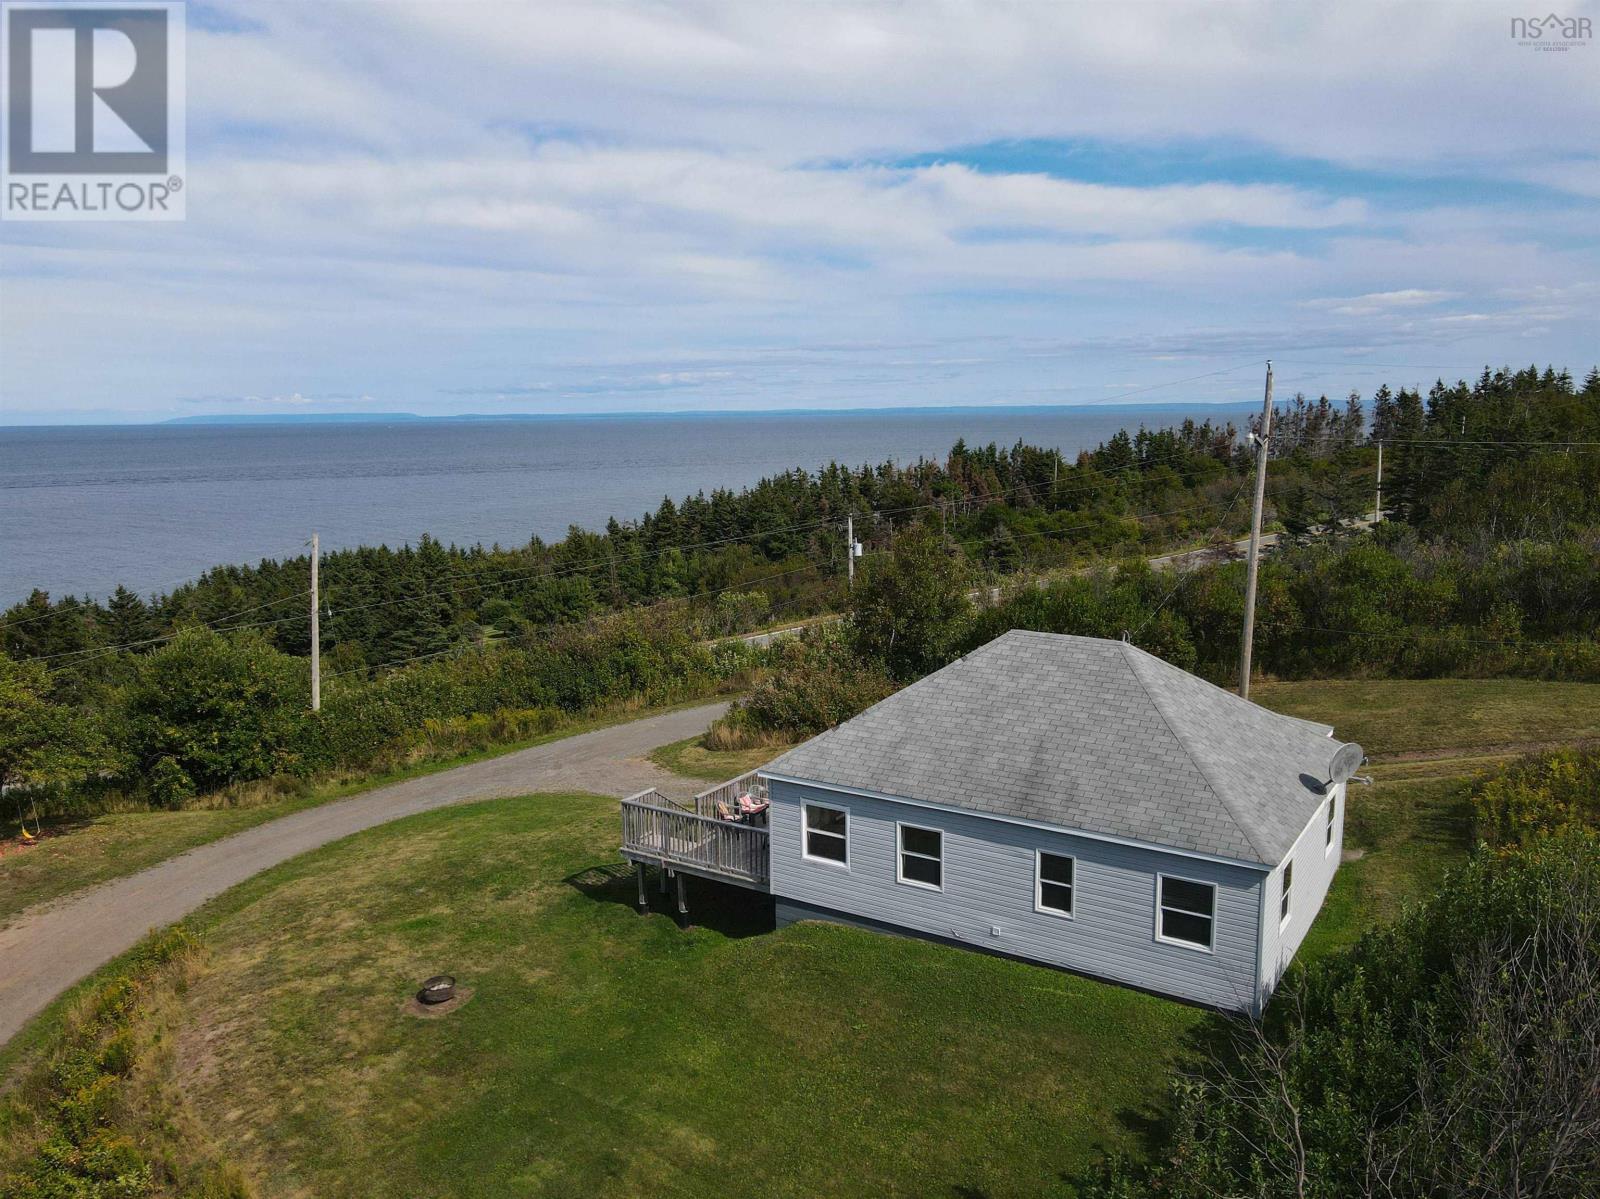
98,650
748,584
1122,395
1183,575
1414,633
615,559
1451,443
602,617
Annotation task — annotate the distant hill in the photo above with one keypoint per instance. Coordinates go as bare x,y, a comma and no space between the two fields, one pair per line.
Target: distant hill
295,418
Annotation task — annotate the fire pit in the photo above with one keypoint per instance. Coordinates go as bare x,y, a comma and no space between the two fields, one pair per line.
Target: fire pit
438,989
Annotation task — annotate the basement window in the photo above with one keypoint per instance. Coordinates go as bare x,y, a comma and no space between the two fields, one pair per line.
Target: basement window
827,834
1185,911
921,857
1052,892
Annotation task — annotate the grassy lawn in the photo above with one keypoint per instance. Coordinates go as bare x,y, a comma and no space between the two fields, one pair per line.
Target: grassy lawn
606,1053
693,760
78,853
1428,716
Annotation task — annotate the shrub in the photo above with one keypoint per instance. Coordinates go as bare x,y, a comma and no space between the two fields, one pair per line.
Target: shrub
218,707
908,611
80,1154
1452,1053
816,683
1541,795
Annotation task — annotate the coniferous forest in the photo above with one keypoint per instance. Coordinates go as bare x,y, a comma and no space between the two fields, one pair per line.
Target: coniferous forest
1487,562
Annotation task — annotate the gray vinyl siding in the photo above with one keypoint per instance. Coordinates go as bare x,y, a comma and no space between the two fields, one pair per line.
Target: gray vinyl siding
1314,866
988,869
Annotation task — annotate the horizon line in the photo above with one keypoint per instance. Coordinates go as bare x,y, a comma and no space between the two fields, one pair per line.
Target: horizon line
224,418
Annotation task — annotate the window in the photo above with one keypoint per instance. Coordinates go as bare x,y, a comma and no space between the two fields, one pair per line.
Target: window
1333,802
1052,891
1185,911
921,857
1288,889
827,834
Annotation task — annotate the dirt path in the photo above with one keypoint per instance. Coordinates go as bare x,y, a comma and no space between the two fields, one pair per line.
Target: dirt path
49,948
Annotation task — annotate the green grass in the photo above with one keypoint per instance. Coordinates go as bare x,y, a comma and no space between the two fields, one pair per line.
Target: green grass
1425,716
78,853
607,1053
1408,832
693,760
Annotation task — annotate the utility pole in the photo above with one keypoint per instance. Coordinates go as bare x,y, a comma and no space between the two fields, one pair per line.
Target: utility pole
1377,512
1246,642
850,549
316,631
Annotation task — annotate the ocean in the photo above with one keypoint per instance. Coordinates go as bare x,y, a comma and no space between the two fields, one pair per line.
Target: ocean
85,508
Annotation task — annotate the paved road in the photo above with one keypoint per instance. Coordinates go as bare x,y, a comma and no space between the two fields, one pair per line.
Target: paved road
51,947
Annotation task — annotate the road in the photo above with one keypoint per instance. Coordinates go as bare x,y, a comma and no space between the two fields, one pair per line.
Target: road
49,948
1181,561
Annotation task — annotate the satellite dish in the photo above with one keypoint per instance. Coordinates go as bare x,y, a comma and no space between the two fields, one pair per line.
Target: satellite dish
1345,763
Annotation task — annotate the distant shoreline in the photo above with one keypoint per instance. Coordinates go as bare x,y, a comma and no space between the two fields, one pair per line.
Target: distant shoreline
222,420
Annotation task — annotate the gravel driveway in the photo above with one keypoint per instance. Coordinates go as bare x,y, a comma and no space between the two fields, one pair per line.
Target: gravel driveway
49,948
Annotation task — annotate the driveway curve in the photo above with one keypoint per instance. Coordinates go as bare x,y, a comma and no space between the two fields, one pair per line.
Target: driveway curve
49,948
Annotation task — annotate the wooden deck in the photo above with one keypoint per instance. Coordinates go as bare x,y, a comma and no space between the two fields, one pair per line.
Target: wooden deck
658,831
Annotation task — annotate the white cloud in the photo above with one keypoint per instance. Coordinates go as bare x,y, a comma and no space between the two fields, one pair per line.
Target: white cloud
1376,302
426,201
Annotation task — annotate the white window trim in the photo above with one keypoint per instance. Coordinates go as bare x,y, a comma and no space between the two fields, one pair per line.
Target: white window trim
1328,824
1209,947
1286,895
806,830
1038,885
900,852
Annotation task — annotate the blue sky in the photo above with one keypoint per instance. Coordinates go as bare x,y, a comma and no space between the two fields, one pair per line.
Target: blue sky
606,207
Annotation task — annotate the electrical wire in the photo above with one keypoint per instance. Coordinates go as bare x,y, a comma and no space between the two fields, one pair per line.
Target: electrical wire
1183,575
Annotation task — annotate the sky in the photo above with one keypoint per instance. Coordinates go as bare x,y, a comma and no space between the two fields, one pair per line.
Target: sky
463,207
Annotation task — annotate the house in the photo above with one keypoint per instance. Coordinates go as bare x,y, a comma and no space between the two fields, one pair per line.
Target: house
1066,800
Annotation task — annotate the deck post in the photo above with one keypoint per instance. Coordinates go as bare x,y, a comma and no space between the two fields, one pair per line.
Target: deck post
683,903
644,906
666,877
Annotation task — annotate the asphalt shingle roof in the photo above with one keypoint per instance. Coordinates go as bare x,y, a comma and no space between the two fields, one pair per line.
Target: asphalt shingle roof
1086,734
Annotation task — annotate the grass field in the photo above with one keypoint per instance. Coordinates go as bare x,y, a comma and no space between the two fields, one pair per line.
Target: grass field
605,1053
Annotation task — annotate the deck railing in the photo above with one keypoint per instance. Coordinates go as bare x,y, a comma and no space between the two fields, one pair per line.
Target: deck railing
748,783
650,829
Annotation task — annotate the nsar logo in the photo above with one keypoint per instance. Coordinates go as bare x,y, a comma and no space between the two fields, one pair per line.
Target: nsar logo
1551,32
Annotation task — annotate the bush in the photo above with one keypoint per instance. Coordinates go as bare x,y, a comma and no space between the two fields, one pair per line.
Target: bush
76,1098
1454,1053
908,611
1541,795
214,708
816,683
